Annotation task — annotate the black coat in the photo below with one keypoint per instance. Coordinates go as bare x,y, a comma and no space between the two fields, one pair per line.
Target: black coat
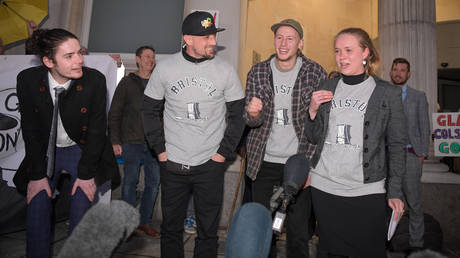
125,118
82,110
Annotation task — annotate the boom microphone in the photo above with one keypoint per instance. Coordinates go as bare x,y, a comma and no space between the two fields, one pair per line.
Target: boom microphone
296,172
101,229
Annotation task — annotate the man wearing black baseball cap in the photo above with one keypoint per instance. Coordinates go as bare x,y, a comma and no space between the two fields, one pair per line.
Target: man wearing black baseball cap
203,102
278,92
199,32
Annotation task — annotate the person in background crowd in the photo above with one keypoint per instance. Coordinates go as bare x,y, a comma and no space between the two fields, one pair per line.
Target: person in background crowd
203,103
278,93
128,140
30,42
117,59
418,125
351,119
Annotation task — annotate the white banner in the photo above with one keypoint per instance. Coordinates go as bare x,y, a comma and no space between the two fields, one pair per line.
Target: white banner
11,143
446,132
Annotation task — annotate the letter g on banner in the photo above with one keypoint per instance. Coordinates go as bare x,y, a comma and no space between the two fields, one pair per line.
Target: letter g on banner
10,123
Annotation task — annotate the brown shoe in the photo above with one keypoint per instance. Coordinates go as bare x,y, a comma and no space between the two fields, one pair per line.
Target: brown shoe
148,230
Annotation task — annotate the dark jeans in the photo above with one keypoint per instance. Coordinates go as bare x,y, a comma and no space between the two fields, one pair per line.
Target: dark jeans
298,219
133,154
39,209
205,182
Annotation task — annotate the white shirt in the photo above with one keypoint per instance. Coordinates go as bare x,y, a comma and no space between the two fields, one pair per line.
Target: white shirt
62,138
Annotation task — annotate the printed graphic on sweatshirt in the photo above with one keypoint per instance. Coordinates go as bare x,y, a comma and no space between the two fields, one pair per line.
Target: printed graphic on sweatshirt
283,90
193,111
343,134
349,103
193,82
347,114
283,97
282,117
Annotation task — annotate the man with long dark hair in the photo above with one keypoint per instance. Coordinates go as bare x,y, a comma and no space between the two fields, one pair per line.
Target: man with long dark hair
70,136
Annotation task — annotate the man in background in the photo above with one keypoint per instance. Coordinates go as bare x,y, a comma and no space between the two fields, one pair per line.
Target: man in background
418,125
128,141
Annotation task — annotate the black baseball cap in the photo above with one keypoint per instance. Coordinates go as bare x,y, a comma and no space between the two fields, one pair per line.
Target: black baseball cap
199,24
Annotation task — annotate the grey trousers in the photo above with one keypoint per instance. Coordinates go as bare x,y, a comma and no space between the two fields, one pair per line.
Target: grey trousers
413,194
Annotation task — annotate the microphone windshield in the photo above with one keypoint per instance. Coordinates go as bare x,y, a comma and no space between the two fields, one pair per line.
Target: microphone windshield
250,232
100,230
296,171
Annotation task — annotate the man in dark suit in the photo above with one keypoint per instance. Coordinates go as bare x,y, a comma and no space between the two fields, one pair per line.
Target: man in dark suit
418,125
81,147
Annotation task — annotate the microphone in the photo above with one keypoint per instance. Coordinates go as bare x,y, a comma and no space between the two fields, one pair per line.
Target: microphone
250,233
101,229
295,175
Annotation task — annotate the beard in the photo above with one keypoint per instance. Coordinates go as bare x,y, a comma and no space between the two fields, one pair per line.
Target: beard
399,82
207,52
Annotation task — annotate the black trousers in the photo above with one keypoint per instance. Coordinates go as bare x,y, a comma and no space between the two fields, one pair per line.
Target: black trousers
205,182
298,220
350,226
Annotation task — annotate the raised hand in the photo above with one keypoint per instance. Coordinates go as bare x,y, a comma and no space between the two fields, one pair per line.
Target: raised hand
318,98
254,107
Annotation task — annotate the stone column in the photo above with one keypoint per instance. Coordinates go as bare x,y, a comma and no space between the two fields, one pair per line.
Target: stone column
407,28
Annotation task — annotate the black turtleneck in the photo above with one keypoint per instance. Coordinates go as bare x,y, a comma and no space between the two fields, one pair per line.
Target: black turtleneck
191,58
354,79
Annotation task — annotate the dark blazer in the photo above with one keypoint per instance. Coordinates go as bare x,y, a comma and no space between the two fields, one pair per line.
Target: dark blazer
83,113
384,134
418,121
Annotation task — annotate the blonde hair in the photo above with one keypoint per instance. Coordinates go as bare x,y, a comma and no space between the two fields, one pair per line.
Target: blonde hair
373,59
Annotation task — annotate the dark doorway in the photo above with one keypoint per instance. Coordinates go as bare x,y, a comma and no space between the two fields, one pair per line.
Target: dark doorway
449,90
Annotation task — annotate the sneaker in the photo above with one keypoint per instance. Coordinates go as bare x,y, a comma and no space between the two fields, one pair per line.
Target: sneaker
190,225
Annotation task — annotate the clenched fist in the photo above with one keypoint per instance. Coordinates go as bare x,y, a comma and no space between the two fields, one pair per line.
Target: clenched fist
254,107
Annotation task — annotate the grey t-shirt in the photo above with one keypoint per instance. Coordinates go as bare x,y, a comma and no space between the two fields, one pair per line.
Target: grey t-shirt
340,168
282,141
195,95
